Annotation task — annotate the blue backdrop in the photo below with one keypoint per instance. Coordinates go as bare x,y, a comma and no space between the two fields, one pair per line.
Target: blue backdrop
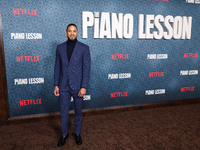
51,20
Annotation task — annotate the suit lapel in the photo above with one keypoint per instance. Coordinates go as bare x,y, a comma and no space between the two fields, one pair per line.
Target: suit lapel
65,53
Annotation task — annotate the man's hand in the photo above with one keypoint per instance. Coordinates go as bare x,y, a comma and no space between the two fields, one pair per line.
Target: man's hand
56,91
82,92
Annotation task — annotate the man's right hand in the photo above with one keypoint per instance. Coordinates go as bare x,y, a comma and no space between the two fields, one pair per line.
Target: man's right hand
56,91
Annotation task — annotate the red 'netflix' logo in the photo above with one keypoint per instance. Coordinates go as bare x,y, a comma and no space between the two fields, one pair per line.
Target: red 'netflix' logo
156,74
120,56
161,0
184,89
27,58
119,94
187,55
23,11
30,102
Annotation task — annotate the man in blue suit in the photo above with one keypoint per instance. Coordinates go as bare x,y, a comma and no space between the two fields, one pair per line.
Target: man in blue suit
71,76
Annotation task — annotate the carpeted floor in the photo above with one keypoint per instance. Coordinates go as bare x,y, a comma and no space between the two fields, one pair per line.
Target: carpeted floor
164,128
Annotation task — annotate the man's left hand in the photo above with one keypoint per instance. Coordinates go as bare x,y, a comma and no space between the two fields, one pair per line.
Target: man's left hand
82,92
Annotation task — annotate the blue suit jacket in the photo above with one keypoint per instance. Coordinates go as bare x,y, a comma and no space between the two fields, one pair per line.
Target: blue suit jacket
75,73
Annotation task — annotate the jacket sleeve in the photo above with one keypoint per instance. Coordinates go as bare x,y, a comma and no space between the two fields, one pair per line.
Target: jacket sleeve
86,67
57,68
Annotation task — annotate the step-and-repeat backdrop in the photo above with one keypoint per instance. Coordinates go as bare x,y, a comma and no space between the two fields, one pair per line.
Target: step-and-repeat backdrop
142,51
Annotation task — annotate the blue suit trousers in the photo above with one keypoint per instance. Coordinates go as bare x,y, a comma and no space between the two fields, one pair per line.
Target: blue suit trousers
65,100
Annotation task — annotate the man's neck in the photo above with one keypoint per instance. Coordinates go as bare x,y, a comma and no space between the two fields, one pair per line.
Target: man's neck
69,40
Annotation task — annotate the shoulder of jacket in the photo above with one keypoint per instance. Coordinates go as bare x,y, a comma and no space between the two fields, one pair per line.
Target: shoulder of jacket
59,45
83,45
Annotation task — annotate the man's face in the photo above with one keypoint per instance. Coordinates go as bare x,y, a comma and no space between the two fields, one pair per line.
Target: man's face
72,32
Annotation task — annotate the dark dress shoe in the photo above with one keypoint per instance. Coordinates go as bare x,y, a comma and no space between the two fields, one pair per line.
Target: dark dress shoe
78,139
62,140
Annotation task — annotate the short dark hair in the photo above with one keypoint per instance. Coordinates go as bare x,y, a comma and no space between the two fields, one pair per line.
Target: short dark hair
71,24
